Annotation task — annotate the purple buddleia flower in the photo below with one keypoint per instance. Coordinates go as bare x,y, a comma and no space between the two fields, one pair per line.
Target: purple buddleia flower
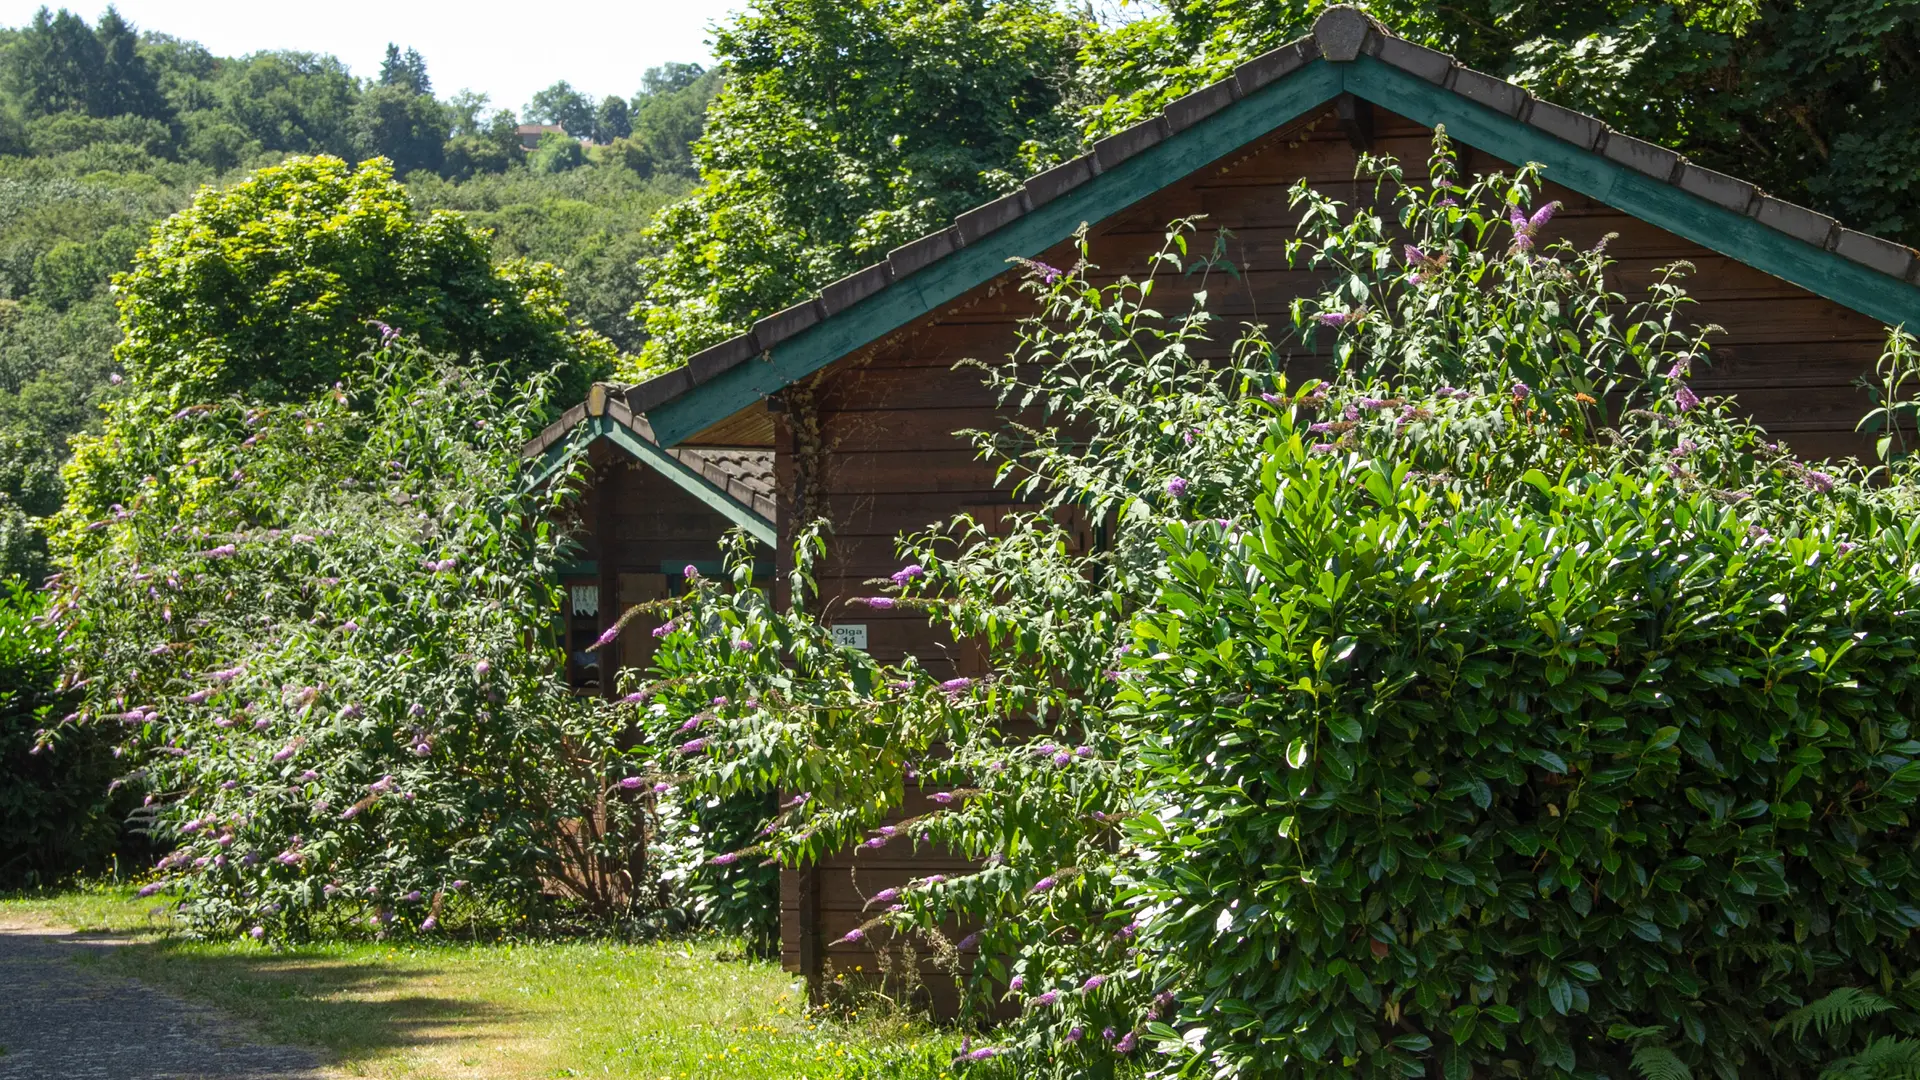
876,842
908,573
258,933
1270,398
1044,1000
1521,392
662,787
149,890
429,924
1320,428
1094,982
1047,273
852,936
1107,1033
382,785
982,1054
199,697
1818,481
878,603
1062,758
956,687
1126,1044
416,710
693,746
1044,884
221,552
1334,319
1177,487
631,783
742,645
690,572
1682,367
942,797
1019,983
690,726
965,943
885,896
663,629
605,639
1076,1033
1316,448
932,880
1843,547
285,752
727,859
1685,399
480,669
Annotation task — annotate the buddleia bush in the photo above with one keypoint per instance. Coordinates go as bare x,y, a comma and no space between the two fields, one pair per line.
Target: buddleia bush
320,633
1480,701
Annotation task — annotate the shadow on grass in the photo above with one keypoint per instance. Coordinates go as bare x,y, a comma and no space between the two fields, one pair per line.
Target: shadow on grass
349,1007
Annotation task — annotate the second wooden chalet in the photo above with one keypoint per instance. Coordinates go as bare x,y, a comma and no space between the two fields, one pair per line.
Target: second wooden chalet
644,514
855,395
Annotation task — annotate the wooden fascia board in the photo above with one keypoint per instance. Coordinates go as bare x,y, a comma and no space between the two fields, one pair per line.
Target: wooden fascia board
688,480
977,263
1735,235
1717,228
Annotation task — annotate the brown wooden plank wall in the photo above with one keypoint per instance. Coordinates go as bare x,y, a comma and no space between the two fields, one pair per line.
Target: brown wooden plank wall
888,463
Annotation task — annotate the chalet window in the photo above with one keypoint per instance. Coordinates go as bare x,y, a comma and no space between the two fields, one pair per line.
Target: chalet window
582,629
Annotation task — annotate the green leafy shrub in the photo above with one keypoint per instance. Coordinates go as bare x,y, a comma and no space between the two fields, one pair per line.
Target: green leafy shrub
1492,706
316,629
56,817
275,285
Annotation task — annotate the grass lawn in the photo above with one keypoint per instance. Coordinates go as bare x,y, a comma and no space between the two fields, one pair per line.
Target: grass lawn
520,1009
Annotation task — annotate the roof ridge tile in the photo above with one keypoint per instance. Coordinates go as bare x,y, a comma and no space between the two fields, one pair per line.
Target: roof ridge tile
1121,145
1057,181
1184,112
988,217
1483,89
915,254
1642,156
1275,64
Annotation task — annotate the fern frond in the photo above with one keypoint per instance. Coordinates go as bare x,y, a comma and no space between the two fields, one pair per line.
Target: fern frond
1659,1063
1843,1006
1889,1057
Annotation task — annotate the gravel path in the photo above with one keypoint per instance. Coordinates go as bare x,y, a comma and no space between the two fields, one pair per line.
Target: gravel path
64,1021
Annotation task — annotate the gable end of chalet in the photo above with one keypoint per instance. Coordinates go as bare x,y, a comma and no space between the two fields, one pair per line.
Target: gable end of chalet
1347,54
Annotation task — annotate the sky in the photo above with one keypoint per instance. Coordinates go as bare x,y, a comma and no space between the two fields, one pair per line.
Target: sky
504,50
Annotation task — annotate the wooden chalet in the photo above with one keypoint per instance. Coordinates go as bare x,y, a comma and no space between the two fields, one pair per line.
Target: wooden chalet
645,513
855,394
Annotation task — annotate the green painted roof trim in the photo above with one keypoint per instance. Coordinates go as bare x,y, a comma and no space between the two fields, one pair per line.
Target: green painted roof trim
606,427
1738,236
980,262
1716,228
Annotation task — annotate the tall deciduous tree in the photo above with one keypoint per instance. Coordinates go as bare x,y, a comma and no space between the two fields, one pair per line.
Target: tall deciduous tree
843,130
612,121
562,104
1808,98
274,285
